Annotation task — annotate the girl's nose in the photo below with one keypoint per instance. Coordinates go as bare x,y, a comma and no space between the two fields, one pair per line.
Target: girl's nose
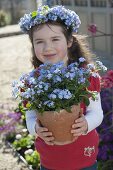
48,46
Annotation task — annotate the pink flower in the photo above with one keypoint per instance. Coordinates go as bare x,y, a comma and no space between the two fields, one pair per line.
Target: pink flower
107,80
110,73
92,28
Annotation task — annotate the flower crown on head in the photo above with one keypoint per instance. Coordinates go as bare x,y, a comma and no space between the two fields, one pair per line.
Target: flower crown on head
45,14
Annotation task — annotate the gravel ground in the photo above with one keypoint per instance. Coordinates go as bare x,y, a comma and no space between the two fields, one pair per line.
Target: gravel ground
8,160
14,60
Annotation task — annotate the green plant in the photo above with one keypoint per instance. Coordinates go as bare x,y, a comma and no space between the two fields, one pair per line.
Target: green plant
33,159
22,143
108,165
100,165
8,18
53,87
20,109
3,20
105,165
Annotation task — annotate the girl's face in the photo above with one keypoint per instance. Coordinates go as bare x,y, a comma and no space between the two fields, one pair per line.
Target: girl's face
50,44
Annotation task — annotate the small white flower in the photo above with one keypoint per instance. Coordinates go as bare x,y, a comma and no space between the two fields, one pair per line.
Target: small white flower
29,146
24,130
29,151
18,136
91,66
30,135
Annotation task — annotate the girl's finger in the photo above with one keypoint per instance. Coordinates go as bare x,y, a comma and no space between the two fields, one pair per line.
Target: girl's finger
49,143
75,138
77,132
46,134
42,130
78,125
81,119
49,139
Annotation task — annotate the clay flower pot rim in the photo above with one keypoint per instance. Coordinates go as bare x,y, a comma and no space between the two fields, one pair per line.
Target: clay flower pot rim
62,110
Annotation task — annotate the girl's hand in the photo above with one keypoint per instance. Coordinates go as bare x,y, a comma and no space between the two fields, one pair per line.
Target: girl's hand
80,127
44,134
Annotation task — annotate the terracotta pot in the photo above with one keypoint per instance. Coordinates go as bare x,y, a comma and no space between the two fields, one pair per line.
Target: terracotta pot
60,124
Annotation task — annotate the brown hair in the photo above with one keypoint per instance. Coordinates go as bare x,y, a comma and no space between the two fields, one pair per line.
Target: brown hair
78,49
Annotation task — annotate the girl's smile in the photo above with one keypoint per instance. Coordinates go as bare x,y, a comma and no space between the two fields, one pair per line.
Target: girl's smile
50,55
50,44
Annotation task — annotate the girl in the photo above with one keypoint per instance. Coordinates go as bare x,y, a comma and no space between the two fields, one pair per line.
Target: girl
51,34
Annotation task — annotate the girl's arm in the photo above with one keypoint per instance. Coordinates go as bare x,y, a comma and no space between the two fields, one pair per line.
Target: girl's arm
31,121
34,128
94,114
90,121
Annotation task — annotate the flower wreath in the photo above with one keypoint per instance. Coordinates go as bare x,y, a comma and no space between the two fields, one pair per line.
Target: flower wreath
45,14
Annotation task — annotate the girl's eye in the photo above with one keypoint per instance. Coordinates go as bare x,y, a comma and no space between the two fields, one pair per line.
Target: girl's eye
39,42
55,39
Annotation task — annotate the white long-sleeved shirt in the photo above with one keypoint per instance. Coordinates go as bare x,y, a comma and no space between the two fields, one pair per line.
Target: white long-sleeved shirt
94,116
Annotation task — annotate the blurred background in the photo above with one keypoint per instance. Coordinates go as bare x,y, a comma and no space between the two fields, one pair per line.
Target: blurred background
15,59
99,12
96,22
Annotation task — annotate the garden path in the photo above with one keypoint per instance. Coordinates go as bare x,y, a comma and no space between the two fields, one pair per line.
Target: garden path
14,60
8,161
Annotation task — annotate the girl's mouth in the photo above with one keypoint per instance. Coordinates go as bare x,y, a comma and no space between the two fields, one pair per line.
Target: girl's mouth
49,55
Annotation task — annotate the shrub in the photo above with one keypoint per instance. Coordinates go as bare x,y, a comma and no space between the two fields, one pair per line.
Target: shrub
33,159
108,165
3,18
105,130
22,143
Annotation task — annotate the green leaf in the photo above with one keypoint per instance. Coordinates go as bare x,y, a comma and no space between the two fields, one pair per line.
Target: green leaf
34,14
85,99
68,109
46,7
